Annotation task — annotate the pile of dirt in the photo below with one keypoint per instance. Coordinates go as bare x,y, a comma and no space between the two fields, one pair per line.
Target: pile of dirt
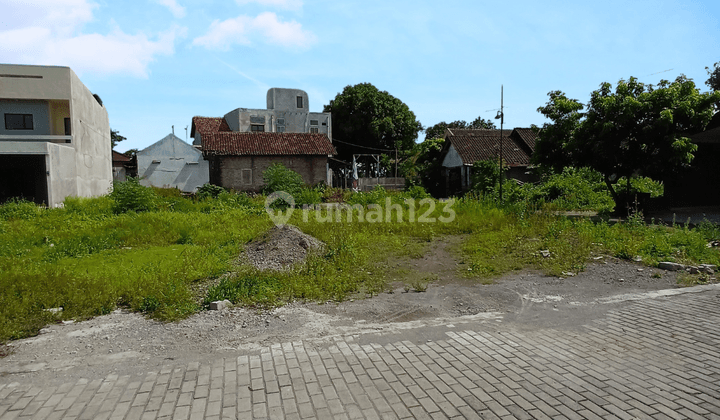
281,247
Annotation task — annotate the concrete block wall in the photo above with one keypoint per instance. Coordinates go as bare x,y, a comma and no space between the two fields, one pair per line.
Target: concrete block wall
227,171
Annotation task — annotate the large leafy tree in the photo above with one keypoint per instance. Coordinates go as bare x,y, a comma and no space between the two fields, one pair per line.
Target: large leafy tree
635,129
373,120
438,130
713,80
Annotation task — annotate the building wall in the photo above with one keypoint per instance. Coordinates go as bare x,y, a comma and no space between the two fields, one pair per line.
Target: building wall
39,109
245,173
79,164
172,163
91,138
282,115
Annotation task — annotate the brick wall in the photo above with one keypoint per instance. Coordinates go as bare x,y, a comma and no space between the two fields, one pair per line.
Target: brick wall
244,173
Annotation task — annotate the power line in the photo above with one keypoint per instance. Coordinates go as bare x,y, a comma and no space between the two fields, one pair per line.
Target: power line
364,147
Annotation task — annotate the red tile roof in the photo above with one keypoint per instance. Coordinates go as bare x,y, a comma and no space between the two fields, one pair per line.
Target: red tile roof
208,125
266,144
119,157
476,147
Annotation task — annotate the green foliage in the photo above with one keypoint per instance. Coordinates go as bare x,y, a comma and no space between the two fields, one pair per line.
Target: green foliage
279,178
131,196
423,165
90,260
636,129
209,191
116,138
18,208
366,116
308,196
438,130
713,80
485,176
574,189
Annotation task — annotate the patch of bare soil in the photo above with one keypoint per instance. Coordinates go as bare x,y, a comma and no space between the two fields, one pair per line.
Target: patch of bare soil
124,342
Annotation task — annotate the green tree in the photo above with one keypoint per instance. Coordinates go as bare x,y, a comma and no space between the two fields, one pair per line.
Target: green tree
130,152
115,137
423,165
438,130
713,80
636,129
365,116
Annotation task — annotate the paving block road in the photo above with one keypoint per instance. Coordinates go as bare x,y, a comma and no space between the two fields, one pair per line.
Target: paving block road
654,357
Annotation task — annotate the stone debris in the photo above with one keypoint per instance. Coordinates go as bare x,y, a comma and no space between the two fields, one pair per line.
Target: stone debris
702,268
670,266
219,305
281,247
545,253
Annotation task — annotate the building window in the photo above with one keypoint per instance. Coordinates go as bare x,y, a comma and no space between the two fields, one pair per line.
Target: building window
257,128
257,120
67,126
246,175
324,123
281,129
299,101
313,129
18,121
281,121
313,122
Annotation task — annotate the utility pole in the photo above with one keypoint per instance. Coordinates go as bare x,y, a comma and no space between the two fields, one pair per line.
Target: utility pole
501,116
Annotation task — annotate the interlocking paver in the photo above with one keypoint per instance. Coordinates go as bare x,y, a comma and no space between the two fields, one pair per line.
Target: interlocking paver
647,359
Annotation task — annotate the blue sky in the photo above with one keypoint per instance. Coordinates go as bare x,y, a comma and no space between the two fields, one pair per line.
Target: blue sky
158,63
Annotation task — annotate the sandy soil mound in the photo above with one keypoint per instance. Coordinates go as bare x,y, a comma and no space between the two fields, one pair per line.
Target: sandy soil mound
280,248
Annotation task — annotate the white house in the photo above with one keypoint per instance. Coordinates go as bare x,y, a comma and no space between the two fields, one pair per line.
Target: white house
172,163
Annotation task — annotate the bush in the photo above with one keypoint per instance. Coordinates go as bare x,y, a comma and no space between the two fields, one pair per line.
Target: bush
574,189
209,191
19,209
279,178
131,196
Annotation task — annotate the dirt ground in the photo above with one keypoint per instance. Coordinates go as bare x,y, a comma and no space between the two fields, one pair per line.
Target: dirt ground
124,341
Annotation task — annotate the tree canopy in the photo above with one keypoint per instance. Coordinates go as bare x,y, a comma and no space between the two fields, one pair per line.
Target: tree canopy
713,80
115,137
365,116
636,129
438,130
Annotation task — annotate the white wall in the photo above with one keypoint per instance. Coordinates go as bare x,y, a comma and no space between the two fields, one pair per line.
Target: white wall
178,165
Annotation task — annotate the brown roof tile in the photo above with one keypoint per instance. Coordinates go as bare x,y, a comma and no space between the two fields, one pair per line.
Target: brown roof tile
473,148
528,136
266,144
119,157
208,125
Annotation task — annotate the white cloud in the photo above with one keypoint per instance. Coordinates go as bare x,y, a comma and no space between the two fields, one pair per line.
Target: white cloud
243,29
282,4
177,10
48,32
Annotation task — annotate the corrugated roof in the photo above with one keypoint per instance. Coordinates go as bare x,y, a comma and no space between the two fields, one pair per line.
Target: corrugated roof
266,144
477,147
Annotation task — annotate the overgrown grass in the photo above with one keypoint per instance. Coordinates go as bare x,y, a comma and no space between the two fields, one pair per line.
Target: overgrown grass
94,255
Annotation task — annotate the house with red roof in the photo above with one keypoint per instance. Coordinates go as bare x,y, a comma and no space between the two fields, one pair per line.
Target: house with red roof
464,147
245,142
